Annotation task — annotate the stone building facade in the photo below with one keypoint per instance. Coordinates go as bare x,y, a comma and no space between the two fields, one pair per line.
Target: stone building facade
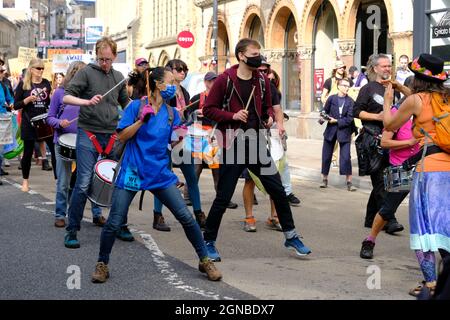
8,45
298,37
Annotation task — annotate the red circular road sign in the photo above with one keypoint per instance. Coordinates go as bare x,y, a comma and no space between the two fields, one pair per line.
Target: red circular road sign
185,39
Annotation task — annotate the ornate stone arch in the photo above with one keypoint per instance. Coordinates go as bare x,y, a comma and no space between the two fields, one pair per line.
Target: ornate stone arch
221,17
351,11
163,59
309,16
151,60
177,54
274,29
249,14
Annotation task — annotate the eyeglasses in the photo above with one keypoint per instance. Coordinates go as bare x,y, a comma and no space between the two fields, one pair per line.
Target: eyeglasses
39,68
142,64
104,60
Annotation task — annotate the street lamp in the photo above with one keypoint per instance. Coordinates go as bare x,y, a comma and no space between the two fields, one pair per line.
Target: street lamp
215,35
47,22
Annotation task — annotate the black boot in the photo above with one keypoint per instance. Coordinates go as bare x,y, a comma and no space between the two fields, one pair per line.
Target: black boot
46,166
393,226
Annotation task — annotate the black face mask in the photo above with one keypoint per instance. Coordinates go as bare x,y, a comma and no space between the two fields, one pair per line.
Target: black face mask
254,62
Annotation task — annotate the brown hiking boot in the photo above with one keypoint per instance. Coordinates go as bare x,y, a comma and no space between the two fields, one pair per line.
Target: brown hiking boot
100,221
159,223
60,223
101,273
211,270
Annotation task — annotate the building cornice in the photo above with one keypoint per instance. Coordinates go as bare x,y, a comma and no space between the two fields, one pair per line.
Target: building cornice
400,35
161,42
207,3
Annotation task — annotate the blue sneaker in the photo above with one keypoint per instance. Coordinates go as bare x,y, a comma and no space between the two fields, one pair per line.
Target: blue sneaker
213,254
125,234
298,246
71,241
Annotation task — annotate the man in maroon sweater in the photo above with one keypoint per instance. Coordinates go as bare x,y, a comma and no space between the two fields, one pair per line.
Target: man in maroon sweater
240,102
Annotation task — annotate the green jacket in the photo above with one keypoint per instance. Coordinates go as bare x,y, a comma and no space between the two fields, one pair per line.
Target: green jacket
90,81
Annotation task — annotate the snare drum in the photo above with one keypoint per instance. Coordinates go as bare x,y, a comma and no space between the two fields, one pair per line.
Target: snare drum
397,179
102,187
67,146
43,130
6,129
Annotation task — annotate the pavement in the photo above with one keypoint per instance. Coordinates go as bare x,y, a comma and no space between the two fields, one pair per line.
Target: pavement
305,162
254,265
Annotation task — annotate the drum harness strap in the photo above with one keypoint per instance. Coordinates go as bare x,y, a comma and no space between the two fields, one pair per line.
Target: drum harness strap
411,162
98,147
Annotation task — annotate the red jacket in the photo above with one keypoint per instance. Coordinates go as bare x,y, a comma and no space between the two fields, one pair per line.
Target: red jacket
213,108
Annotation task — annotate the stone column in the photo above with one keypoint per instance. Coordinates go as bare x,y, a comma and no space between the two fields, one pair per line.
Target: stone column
347,51
305,54
402,43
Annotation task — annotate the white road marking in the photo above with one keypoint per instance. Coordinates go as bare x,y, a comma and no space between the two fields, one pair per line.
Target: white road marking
158,257
169,273
18,186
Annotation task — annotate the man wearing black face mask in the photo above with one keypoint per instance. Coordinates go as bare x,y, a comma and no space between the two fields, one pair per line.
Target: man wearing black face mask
241,99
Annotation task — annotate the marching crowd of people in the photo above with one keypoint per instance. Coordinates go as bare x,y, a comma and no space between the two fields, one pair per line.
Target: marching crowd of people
112,137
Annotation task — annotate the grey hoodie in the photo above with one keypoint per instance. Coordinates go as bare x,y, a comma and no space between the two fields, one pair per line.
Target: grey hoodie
87,83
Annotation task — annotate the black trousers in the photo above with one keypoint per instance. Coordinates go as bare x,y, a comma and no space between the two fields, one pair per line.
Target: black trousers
392,201
231,170
376,197
28,155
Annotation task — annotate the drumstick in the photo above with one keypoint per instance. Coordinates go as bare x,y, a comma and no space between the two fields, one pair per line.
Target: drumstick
213,131
190,105
250,99
72,121
115,87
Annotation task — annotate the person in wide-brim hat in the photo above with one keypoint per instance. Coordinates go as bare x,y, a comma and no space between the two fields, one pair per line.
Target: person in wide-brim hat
429,208
429,68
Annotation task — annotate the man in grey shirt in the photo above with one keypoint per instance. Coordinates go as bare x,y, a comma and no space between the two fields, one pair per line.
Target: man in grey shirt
98,117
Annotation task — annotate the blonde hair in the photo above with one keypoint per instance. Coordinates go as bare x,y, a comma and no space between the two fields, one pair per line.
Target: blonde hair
104,43
34,63
73,69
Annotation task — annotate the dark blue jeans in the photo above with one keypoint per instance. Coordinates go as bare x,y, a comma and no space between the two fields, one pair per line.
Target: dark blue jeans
171,198
189,174
87,157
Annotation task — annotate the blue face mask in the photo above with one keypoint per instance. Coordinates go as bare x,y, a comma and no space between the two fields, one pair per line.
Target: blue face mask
170,92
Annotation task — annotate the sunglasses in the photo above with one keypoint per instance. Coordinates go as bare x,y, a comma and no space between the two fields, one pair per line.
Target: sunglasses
181,69
266,71
39,68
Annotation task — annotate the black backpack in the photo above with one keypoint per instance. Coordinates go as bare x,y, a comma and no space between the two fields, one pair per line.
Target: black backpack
231,88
